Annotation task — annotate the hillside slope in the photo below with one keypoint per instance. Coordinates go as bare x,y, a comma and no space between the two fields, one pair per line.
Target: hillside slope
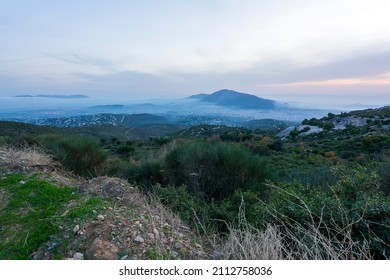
61,216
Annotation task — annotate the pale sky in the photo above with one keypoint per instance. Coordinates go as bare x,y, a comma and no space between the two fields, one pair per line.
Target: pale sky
287,49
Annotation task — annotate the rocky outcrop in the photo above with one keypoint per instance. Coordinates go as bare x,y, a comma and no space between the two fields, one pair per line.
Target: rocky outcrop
303,130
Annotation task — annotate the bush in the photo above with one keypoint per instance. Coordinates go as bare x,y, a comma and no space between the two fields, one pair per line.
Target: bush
81,155
214,170
124,149
149,173
384,173
261,150
145,174
6,140
352,208
190,208
276,145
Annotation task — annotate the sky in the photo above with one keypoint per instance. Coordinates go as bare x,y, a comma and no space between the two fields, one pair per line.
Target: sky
290,50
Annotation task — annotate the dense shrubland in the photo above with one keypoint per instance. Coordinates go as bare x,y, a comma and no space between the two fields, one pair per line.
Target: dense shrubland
325,196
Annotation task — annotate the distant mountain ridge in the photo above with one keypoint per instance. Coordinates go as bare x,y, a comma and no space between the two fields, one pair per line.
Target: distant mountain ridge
198,96
231,98
75,96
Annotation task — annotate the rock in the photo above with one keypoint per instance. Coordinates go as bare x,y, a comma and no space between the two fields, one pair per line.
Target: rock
76,229
139,239
100,217
78,256
174,254
102,250
177,245
216,255
194,254
151,236
124,257
156,233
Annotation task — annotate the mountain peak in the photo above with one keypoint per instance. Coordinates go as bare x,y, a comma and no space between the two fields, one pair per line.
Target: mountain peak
231,98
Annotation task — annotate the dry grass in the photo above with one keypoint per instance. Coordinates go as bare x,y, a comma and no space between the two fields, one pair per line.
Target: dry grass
314,240
286,243
31,160
24,157
169,229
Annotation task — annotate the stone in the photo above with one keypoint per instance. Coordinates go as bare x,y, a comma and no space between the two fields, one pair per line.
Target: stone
151,235
174,254
78,256
76,229
124,257
156,233
177,245
139,239
216,255
100,217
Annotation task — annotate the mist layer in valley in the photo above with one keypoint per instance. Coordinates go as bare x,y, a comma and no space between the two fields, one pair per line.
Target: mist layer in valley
184,111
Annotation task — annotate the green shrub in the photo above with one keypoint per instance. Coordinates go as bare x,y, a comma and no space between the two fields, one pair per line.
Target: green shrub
6,140
145,174
354,205
124,149
384,173
190,208
214,170
81,155
162,140
276,145
149,173
261,150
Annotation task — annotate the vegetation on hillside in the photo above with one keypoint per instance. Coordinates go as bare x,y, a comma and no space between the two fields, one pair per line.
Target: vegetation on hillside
325,196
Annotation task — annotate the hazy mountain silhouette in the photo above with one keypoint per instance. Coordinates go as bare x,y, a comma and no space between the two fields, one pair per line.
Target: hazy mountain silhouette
233,98
199,96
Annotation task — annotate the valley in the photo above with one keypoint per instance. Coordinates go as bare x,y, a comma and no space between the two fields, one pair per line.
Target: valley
297,177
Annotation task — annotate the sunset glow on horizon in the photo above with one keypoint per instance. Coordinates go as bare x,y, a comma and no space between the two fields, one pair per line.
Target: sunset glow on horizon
173,49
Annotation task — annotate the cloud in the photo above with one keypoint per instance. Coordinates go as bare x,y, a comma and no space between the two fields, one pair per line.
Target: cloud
81,59
360,65
337,83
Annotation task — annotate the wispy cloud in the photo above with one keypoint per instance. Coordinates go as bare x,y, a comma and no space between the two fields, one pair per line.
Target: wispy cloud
375,81
81,59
